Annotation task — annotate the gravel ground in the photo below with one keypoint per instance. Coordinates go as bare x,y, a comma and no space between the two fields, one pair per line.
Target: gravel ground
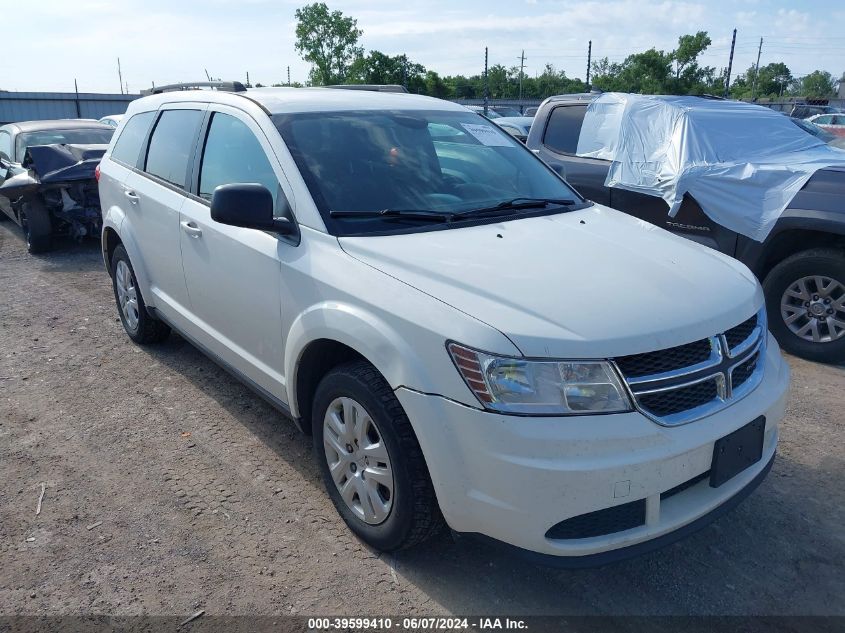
170,488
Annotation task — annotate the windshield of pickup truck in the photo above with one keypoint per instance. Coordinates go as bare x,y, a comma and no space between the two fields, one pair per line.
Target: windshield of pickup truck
392,171
82,136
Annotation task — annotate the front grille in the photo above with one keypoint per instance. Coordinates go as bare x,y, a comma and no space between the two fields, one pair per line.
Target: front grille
742,373
684,383
600,522
674,401
665,360
740,333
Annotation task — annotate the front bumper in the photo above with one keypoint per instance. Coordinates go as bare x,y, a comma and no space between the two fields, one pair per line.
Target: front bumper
513,478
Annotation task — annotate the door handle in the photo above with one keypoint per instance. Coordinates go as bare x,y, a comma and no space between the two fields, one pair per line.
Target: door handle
133,197
191,229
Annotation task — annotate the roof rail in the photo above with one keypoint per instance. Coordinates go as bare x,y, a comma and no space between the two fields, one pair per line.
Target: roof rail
228,86
371,87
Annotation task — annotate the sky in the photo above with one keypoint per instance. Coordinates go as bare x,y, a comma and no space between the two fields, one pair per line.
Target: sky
49,43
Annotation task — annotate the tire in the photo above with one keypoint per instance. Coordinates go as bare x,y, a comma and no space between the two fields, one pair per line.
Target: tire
37,227
141,327
781,288
413,515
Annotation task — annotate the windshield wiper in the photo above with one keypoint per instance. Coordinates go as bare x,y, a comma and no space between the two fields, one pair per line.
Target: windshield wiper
514,204
404,214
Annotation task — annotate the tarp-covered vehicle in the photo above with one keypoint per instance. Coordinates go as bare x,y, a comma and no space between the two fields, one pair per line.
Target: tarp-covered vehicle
737,177
47,182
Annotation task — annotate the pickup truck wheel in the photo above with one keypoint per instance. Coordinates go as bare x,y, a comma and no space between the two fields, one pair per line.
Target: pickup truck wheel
37,227
371,461
805,299
138,323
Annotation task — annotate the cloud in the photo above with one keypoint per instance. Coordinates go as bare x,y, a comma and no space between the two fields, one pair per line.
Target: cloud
167,40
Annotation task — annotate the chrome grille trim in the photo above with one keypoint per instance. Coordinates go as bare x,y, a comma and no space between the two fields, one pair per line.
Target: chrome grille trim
719,368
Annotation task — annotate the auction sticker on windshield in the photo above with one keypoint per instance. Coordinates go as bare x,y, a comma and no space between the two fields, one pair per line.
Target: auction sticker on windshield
486,134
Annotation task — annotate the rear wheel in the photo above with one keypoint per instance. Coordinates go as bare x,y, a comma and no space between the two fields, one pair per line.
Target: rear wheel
138,323
37,227
371,461
805,298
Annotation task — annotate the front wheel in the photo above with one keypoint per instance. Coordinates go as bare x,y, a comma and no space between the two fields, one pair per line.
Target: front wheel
805,299
371,461
37,226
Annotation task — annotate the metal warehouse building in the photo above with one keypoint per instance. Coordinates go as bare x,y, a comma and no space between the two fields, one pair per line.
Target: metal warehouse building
32,106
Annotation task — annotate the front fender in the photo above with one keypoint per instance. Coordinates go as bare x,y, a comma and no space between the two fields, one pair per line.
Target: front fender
366,333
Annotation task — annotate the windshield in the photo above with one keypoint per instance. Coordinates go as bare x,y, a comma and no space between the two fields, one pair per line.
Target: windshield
358,165
84,136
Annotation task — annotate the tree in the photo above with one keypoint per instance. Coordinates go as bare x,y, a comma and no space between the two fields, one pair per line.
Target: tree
329,40
659,72
819,84
435,86
379,68
773,79
689,48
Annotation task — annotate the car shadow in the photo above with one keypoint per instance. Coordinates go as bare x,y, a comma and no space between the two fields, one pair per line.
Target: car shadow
753,560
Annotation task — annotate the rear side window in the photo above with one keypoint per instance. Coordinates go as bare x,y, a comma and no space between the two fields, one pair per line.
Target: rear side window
564,128
233,155
128,144
171,144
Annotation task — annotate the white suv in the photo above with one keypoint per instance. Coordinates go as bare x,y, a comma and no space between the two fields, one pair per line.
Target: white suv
466,337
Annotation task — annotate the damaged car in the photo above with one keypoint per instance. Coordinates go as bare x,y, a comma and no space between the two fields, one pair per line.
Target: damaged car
47,178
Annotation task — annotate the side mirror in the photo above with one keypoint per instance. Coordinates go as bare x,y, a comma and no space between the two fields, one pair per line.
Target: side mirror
249,206
559,169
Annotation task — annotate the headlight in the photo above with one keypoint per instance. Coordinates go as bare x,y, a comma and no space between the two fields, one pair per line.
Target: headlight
530,387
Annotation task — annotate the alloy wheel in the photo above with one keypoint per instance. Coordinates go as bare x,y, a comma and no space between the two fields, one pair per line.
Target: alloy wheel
358,460
127,294
813,308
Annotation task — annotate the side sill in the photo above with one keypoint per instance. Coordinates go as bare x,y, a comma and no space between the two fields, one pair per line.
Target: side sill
246,380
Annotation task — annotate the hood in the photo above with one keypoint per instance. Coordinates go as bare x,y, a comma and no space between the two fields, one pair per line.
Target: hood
593,283
63,162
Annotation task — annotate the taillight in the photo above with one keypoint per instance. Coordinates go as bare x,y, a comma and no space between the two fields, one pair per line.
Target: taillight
97,172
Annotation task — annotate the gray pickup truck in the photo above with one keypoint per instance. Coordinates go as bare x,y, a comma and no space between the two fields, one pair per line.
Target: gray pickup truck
801,263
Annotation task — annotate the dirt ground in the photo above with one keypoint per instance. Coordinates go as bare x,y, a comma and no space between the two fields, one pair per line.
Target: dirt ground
170,488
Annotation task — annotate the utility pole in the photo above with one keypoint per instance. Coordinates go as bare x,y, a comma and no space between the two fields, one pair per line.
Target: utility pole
288,76
247,80
756,71
589,59
76,90
730,65
521,68
120,75
486,84
207,76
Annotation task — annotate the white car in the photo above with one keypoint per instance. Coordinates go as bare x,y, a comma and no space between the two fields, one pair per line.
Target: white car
465,336
516,126
112,120
833,123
